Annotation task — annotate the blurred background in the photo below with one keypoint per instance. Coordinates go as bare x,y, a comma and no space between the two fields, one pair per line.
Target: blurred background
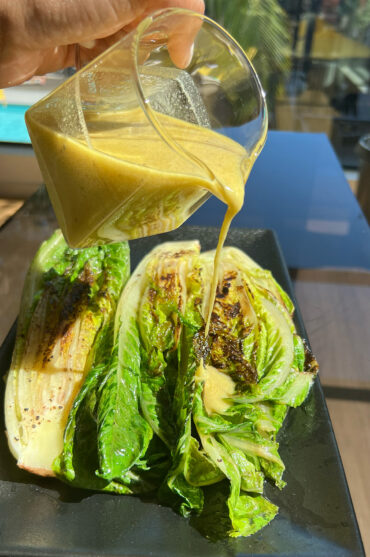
313,58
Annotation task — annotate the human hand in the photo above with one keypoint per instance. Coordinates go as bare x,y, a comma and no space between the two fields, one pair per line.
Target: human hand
39,36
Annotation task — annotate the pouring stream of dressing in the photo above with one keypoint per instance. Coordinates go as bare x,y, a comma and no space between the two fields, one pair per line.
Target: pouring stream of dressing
128,182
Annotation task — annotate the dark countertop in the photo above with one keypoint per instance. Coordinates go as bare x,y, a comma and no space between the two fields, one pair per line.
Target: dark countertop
315,511
298,189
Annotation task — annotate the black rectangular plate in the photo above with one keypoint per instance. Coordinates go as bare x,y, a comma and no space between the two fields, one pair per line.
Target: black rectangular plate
42,516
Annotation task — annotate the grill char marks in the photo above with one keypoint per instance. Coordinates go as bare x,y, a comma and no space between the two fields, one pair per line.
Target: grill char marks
232,351
162,303
170,286
310,362
75,300
232,321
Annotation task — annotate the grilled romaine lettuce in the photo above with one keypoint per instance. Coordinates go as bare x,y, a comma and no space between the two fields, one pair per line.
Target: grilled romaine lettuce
65,322
163,409
159,319
235,387
131,392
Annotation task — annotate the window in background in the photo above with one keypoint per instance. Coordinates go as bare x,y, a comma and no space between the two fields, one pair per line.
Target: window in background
313,57
14,101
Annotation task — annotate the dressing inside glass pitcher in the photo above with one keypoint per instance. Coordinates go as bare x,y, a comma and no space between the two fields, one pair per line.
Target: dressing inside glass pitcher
131,145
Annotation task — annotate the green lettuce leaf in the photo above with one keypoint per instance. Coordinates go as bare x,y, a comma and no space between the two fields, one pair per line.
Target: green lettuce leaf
192,420
68,303
159,318
248,513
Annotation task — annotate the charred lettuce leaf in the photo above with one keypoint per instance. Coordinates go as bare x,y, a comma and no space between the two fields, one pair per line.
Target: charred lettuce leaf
252,366
160,326
219,402
68,303
108,404
154,406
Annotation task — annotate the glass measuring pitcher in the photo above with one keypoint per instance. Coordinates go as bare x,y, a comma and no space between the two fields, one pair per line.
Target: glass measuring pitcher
131,145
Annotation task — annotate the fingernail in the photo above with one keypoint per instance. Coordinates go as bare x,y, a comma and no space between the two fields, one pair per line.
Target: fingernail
88,44
189,59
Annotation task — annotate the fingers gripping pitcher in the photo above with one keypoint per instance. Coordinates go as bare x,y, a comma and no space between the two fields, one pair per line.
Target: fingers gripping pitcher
132,144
